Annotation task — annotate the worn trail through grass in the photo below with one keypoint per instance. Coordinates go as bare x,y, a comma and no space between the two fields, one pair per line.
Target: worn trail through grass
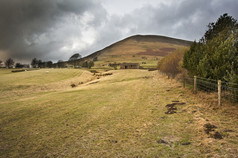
121,115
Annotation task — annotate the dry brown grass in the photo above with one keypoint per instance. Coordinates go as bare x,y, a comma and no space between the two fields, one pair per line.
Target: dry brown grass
205,109
121,115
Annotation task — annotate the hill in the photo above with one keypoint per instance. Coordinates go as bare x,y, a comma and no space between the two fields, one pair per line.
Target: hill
143,49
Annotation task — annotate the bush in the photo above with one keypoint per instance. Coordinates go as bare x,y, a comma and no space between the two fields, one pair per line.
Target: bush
171,64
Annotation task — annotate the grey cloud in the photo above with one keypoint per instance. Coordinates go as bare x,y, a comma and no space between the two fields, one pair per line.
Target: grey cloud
52,29
39,28
183,19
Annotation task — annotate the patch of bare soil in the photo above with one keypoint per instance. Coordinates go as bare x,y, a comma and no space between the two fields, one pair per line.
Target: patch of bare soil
171,107
210,130
209,127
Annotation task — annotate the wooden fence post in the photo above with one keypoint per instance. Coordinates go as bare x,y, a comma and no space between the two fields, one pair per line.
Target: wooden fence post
184,82
219,92
195,85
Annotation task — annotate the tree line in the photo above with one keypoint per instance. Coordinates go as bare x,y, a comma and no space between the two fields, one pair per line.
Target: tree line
10,63
214,56
74,61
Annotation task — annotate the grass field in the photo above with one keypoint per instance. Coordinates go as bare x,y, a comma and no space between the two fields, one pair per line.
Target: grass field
120,115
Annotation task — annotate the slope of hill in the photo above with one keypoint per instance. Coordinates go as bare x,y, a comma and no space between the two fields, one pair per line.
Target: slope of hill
143,49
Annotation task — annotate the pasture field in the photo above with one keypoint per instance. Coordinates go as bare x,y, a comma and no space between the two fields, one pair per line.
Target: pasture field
126,114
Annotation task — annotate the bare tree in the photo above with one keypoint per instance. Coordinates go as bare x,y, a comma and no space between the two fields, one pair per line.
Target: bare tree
9,63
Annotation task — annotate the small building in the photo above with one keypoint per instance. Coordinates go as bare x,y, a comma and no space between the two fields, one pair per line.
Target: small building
129,66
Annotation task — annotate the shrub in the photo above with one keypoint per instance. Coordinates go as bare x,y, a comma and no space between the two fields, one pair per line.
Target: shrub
171,64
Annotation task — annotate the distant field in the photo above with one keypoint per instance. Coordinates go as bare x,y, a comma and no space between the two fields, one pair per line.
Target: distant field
119,115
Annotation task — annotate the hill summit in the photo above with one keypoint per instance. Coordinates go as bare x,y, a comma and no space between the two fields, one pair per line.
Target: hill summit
143,49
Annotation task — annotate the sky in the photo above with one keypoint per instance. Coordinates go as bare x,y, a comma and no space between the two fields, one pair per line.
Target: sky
56,29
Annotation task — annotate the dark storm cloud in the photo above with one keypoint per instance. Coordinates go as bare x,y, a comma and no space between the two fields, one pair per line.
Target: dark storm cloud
53,29
39,28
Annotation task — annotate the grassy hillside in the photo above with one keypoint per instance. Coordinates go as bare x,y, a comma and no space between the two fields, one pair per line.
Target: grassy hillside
32,83
120,115
143,49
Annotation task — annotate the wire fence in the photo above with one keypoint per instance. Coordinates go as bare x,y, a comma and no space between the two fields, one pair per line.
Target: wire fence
224,90
229,91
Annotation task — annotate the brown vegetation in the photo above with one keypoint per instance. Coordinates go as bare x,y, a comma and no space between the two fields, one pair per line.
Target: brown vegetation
171,65
161,52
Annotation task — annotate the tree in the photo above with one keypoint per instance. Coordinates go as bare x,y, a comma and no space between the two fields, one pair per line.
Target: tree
85,64
60,64
40,64
90,64
73,60
192,57
1,63
224,22
215,56
49,64
74,57
9,63
19,65
34,63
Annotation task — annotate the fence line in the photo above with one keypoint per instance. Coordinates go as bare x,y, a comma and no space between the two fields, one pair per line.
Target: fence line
224,90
